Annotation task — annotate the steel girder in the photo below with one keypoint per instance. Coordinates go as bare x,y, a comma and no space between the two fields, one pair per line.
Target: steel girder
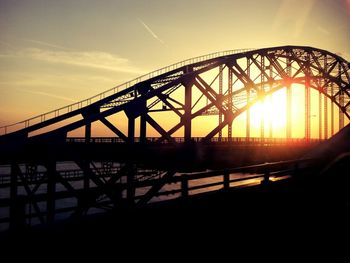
252,75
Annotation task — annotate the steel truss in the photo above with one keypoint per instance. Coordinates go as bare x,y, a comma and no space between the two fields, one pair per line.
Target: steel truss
251,76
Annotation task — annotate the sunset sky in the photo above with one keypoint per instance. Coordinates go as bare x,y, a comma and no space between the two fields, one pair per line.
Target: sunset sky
53,53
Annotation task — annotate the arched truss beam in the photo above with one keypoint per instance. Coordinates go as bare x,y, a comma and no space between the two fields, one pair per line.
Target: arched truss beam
319,68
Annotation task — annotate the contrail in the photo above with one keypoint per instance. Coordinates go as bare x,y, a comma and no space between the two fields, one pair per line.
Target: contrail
44,43
48,95
150,31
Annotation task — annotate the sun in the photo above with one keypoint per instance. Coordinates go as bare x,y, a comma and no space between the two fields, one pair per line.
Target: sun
272,111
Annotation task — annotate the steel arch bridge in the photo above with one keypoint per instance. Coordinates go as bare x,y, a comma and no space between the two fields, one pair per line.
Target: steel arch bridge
224,84
239,79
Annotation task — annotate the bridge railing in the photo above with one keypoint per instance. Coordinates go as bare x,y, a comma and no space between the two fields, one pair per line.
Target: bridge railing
189,184
180,185
234,140
86,102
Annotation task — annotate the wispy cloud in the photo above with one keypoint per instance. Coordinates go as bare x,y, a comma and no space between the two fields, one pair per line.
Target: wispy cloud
90,59
323,30
46,94
150,31
59,81
5,44
46,44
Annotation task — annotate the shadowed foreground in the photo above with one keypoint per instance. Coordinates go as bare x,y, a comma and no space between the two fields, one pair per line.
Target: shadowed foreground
304,218
298,219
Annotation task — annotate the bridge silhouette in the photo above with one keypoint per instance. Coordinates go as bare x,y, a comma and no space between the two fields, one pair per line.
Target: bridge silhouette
42,163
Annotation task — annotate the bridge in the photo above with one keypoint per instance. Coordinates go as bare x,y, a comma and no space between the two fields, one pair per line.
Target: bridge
154,154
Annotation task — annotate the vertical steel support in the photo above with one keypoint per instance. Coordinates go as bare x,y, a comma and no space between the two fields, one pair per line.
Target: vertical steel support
325,113
307,109
325,100
341,106
130,189
341,99
229,126
226,180
289,100
16,212
220,94
262,120
143,124
319,113
88,132
184,186
187,114
51,189
271,77
143,130
86,182
131,129
248,100
307,100
332,109
86,177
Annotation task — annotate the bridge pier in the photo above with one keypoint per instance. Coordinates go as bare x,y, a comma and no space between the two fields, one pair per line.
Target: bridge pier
17,202
88,132
131,129
332,109
220,94
248,109
307,101
187,114
289,101
325,100
51,189
130,189
341,114
143,128
230,83
262,89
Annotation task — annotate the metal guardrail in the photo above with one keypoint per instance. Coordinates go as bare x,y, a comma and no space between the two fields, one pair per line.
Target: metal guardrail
83,103
237,140
182,185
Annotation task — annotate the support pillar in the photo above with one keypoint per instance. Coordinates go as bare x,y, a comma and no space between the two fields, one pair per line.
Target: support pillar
320,114
307,102
51,189
325,113
88,132
289,100
271,77
229,126
17,204
187,114
131,129
270,119
262,121
86,177
247,129
143,131
341,99
332,109
325,100
130,189
143,124
307,111
341,106
220,94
